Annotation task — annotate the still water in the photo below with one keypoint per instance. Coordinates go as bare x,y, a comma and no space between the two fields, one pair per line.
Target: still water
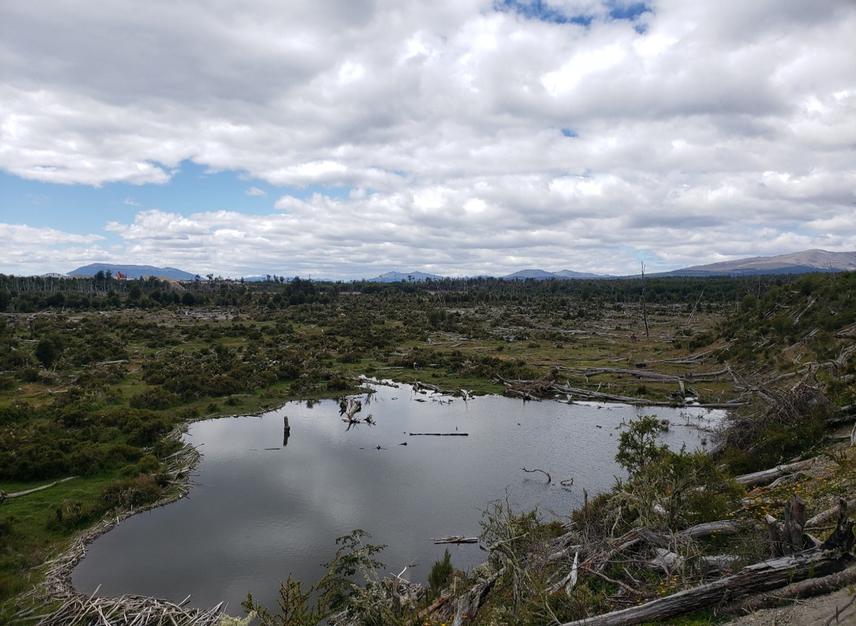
260,510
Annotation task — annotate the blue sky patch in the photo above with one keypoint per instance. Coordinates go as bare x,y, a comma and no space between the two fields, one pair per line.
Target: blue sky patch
541,10
86,209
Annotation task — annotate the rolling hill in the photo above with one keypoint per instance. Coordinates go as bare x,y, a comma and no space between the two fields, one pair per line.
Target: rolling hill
803,262
133,271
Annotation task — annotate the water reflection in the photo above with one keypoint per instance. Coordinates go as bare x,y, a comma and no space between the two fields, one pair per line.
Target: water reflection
257,515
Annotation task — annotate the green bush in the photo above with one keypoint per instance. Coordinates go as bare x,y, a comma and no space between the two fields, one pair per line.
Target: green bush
441,574
156,399
132,492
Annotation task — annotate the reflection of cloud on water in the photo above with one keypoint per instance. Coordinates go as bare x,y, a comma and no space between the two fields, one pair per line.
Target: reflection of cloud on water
259,514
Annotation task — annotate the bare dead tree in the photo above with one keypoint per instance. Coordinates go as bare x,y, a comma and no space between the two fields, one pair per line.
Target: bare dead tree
644,310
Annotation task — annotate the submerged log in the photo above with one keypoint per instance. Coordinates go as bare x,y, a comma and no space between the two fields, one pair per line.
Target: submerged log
534,470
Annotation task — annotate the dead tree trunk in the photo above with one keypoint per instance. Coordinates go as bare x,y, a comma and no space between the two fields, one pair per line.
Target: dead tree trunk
644,310
753,579
766,476
788,536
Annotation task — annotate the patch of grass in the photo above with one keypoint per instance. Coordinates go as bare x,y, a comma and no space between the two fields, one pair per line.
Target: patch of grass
29,536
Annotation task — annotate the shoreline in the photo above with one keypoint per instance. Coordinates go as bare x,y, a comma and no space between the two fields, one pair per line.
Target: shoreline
57,586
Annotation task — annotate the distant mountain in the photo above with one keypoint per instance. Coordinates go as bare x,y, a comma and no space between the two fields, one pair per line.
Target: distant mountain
399,277
573,274
803,262
536,274
533,274
133,271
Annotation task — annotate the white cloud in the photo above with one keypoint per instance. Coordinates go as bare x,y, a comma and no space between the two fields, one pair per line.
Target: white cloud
30,250
702,129
255,192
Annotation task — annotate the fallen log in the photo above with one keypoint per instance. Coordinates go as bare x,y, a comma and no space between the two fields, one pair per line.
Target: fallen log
17,494
420,386
439,434
470,603
841,420
828,515
769,475
645,374
456,539
587,394
803,589
760,577
722,527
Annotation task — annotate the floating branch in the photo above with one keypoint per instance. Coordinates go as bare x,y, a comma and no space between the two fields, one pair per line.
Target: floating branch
456,539
532,471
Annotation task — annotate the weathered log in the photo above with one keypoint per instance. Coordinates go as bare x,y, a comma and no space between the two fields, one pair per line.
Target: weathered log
760,577
456,539
439,434
803,589
788,536
766,476
719,562
841,420
17,494
828,515
842,536
469,604
722,527
608,397
641,374
646,374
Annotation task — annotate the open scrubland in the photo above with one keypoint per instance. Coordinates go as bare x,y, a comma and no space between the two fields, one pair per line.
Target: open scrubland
97,378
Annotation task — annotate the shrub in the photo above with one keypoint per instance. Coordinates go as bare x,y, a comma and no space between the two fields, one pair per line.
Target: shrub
156,399
638,445
441,573
48,350
132,492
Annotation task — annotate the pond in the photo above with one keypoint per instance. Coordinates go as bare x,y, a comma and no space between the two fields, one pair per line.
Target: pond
260,510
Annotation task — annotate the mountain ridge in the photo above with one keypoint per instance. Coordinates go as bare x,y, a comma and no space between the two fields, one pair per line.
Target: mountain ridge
802,262
132,271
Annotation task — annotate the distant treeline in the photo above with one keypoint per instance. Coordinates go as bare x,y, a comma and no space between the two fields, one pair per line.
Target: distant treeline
103,291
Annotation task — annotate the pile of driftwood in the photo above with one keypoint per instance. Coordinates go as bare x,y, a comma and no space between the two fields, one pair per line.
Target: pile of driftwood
785,408
546,388
126,611
797,572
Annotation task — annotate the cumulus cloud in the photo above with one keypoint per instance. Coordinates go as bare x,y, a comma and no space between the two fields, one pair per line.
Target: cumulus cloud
30,250
692,130
255,192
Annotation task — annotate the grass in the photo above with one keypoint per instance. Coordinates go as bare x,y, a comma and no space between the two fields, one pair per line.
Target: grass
28,538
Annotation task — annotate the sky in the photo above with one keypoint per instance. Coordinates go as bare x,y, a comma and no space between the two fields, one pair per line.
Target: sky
346,138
